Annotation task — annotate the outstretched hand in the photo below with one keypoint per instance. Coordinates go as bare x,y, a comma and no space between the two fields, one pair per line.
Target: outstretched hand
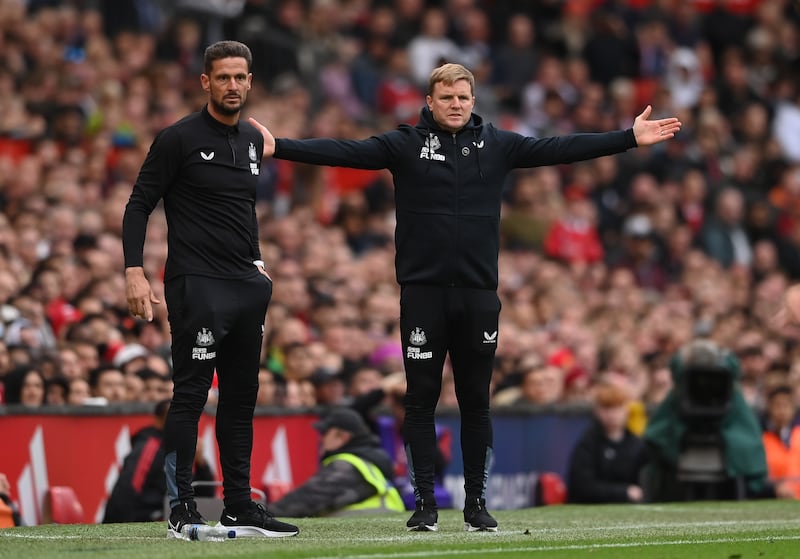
649,132
269,139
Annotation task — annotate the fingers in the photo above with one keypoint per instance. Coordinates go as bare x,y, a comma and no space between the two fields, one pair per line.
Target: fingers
257,124
142,307
646,112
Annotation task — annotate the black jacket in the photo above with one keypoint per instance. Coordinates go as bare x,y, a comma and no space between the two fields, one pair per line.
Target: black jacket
448,188
600,470
206,172
337,484
140,490
138,495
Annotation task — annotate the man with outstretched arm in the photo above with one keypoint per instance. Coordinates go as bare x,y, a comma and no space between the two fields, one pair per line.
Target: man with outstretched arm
449,171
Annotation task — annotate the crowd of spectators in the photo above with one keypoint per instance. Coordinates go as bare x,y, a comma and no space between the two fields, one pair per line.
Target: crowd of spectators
607,266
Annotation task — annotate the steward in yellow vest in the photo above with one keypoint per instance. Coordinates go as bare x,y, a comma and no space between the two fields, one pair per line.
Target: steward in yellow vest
353,477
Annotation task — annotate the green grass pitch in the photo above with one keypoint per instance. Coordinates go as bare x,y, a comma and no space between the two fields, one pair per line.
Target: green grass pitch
700,530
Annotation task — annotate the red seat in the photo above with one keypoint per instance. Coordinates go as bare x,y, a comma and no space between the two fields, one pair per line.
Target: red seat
550,489
62,506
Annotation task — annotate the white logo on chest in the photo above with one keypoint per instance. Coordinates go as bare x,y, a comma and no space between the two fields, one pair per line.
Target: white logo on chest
428,151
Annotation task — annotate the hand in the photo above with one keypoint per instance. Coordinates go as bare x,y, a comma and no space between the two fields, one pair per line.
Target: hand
262,270
635,494
394,383
139,294
269,139
784,490
649,132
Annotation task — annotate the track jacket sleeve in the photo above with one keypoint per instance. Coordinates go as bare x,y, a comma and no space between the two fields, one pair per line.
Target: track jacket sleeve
525,151
376,152
159,169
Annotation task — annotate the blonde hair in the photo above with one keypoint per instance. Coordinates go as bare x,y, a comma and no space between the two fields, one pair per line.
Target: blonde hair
448,74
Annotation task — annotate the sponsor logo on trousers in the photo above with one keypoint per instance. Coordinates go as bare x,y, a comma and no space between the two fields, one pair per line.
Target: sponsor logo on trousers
415,353
202,353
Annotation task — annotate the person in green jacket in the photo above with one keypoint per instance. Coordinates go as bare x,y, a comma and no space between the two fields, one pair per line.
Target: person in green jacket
353,477
705,404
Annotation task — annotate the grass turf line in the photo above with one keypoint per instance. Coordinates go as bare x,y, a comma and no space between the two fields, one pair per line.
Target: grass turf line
703,530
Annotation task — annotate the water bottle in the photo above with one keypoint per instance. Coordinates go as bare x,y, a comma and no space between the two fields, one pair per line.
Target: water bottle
207,533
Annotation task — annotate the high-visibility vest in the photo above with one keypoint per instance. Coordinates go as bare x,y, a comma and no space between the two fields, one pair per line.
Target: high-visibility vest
783,462
386,497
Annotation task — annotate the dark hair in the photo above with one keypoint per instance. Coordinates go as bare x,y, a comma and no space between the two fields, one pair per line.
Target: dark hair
97,372
226,49
146,373
781,389
15,380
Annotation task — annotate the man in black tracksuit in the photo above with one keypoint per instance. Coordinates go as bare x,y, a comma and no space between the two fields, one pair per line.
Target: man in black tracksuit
448,172
205,168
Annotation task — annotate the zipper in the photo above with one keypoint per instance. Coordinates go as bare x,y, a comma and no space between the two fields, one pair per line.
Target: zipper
456,253
232,144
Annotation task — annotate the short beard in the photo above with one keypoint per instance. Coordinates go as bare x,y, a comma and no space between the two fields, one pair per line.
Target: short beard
224,110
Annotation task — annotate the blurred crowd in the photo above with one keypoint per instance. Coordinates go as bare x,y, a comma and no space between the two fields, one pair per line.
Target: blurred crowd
607,266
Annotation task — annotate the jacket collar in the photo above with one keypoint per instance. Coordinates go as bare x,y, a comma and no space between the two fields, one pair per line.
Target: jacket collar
426,121
220,127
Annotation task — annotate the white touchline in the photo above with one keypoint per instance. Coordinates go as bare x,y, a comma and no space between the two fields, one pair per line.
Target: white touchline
459,552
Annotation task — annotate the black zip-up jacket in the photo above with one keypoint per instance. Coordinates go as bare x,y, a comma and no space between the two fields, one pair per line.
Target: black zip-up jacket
448,188
601,470
206,172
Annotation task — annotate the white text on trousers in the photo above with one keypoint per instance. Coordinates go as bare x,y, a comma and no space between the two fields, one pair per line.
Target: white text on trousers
415,353
202,353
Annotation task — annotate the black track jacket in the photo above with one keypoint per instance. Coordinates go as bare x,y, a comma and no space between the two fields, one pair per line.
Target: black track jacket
448,188
206,172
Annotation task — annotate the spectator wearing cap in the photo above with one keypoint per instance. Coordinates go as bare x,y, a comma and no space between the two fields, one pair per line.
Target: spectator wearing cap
130,358
641,253
329,387
606,462
353,477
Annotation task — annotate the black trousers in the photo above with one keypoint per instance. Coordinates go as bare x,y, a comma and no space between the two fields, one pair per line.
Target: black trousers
435,321
217,324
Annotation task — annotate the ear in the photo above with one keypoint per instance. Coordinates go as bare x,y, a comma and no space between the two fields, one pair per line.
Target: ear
429,101
205,81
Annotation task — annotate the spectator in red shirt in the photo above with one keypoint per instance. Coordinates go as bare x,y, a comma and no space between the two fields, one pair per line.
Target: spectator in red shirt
573,238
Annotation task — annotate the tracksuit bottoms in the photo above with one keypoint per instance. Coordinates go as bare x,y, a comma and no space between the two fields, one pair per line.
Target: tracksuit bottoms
435,321
216,324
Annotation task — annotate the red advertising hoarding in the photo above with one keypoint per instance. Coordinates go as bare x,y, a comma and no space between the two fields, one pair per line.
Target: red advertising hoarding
85,452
